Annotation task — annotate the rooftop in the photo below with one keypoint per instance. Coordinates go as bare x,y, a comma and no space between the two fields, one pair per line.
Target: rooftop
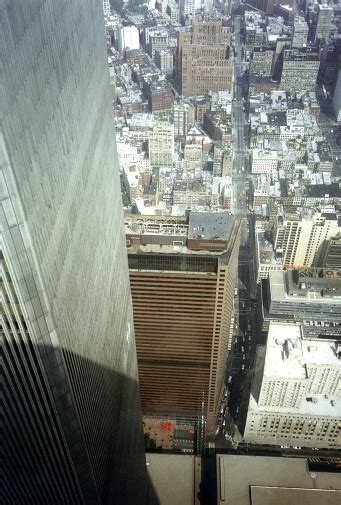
265,250
210,226
288,354
293,287
264,480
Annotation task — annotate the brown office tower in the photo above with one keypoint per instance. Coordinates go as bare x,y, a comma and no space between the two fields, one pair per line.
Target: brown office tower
183,273
203,59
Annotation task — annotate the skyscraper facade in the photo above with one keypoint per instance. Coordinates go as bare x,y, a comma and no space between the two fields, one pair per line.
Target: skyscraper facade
71,400
323,22
203,60
183,276
300,33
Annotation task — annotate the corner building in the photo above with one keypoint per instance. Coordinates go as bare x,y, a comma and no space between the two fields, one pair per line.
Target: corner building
295,394
183,274
72,418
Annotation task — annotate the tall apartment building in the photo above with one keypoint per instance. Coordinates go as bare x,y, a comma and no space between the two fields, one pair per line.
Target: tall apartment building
161,144
164,59
106,7
323,22
128,38
158,40
337,98
183,274
296,394
173,11
203,60
187,8
300,69
300,237
300,33
183,115
71,407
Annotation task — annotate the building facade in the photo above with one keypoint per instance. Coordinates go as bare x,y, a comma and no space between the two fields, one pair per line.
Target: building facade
300,69
106,7
173,11
261,63
158,40
183,114
186,8
183,284
161,144
72,413
300,33
308,296
332,254
164,59
296,394
128,38
323,22
300,239
203,61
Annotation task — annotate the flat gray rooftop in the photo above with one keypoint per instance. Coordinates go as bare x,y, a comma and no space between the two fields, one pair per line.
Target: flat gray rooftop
263,480
261,495
210,226
172,479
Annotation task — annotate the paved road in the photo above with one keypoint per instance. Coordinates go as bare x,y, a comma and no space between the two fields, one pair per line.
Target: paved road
240,165
242,354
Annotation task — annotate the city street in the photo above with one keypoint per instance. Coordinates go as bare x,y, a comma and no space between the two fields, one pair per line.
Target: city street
240,148
242,353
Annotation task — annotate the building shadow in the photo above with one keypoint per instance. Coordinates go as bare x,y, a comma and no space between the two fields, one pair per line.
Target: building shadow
72,429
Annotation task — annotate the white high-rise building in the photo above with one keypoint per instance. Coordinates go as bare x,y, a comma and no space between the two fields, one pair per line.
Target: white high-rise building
337,98
323,23
106,7
296,391
300,238
301,31
161,144
128,37
187,8
183,115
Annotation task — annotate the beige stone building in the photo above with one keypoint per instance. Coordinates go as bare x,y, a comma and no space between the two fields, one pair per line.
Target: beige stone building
203,61
300,236
295,395
161,144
